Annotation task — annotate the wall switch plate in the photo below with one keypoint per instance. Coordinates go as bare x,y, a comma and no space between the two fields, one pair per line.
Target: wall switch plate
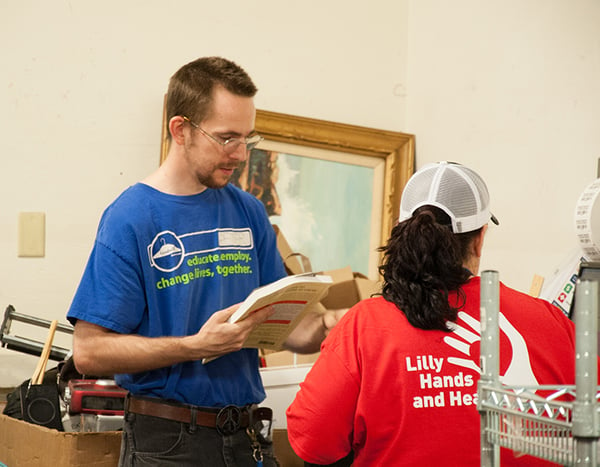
32,234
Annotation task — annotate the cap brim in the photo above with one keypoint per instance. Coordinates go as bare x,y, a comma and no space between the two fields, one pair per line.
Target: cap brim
494,219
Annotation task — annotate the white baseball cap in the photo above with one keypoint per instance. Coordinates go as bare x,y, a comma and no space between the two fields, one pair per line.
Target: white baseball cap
455,189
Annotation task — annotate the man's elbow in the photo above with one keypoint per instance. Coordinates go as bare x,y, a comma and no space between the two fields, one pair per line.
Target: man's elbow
88,345
84,360
87,358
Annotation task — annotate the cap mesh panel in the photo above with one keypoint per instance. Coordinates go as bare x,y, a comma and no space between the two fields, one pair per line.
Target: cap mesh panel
460,191
456,195
418,191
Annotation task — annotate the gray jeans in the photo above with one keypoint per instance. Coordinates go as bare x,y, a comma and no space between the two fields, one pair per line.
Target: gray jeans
151,441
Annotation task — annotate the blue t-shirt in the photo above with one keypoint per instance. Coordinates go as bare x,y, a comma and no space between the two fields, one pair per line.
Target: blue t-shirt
162,264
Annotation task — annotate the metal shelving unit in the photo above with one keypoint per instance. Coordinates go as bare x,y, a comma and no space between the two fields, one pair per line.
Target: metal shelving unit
556,423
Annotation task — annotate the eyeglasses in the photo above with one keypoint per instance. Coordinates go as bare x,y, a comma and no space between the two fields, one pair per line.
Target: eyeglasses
230,145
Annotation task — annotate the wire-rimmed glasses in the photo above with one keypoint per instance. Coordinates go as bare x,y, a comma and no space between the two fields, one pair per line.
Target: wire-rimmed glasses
229,145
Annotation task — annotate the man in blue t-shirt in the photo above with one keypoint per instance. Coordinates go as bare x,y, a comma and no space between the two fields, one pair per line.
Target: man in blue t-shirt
173,257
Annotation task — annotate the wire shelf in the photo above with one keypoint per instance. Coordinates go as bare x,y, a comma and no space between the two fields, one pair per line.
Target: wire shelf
525,422
559,424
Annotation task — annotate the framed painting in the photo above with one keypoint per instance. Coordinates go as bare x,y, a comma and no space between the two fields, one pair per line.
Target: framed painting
333,189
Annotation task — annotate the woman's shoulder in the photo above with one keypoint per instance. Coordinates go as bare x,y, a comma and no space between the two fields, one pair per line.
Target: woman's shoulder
373,309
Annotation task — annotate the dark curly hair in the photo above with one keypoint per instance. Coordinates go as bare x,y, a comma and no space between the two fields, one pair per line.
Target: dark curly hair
422,263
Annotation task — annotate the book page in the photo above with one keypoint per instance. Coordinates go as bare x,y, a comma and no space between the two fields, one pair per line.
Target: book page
274,330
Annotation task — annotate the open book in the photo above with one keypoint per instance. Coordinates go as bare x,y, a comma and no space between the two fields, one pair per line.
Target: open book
291,297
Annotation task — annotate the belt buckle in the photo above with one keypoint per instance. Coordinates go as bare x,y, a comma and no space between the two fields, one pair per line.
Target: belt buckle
229,420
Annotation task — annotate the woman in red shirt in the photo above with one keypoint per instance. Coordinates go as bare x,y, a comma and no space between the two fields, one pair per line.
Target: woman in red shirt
396,381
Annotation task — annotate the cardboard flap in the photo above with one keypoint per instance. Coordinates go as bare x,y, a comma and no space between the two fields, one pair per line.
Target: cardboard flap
28,445
295,263
340,275
366,287
348,288
341,295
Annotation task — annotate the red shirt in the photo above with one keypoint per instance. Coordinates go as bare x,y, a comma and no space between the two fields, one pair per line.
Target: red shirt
399,395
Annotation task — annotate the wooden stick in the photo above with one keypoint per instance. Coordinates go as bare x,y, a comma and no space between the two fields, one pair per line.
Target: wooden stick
38,374
536,286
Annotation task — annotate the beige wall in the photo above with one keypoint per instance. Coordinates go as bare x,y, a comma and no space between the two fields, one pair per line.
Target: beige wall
510,88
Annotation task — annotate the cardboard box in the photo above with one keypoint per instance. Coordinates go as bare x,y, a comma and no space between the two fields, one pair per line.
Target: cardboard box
27,445
287,358
348,288
24,444
283,451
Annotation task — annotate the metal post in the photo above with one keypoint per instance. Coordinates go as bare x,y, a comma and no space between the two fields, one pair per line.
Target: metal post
585,408
489,359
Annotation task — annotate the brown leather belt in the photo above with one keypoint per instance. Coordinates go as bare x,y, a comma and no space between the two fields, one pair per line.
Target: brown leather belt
227,420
